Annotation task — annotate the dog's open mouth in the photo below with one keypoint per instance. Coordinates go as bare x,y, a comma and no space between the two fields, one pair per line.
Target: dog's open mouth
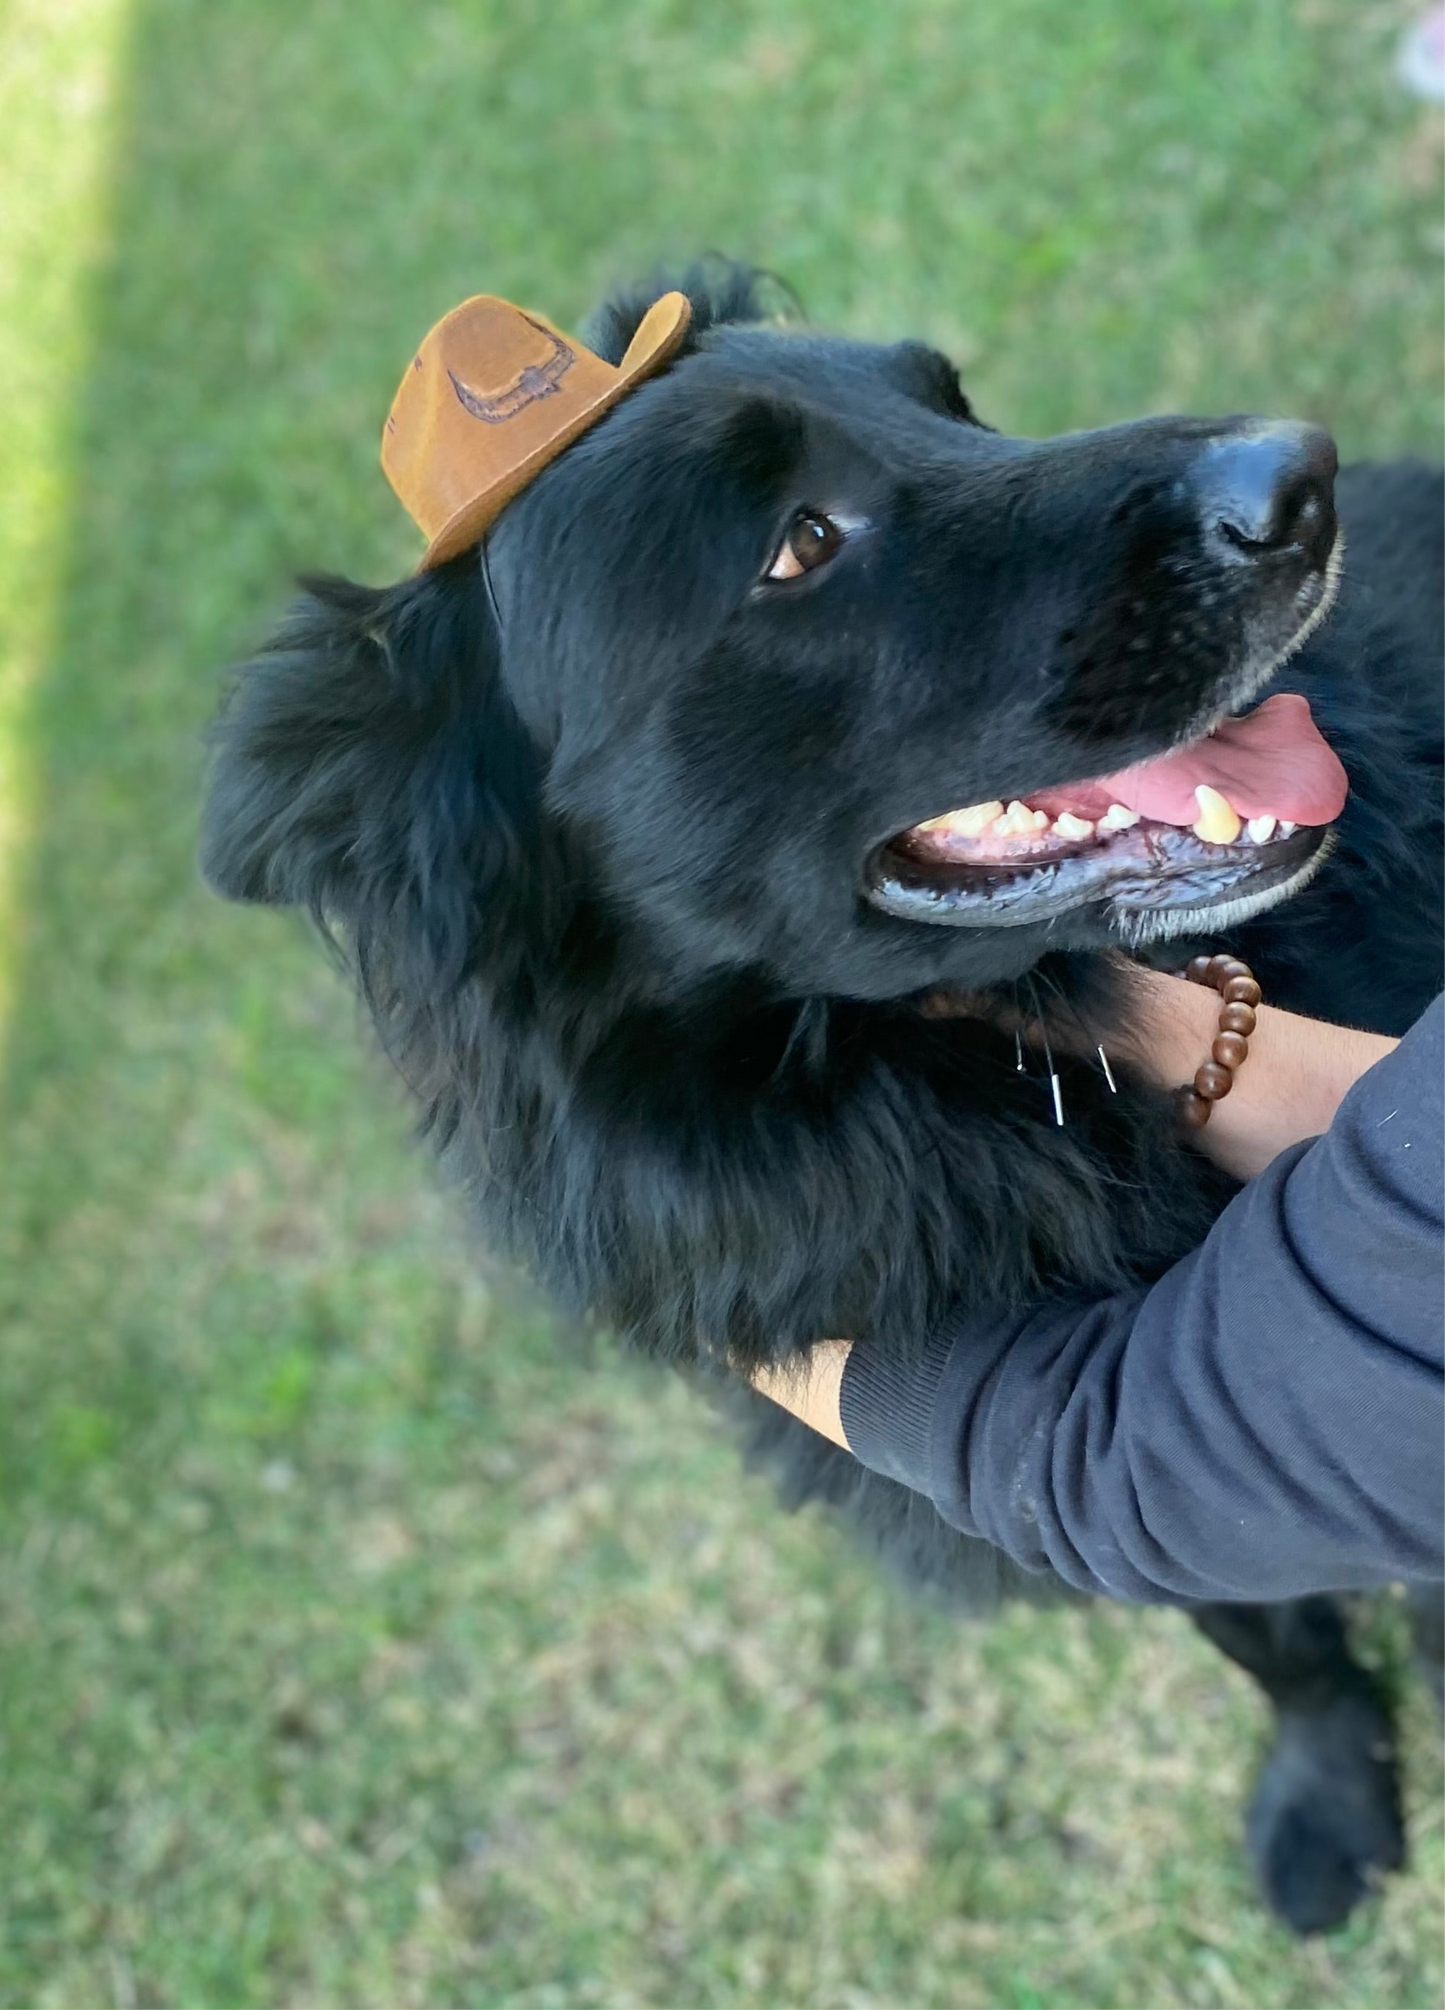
1237,817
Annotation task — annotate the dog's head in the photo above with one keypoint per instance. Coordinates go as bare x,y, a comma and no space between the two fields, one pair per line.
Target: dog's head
794,668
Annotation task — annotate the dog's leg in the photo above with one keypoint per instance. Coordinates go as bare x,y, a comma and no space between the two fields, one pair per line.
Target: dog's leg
1325,1820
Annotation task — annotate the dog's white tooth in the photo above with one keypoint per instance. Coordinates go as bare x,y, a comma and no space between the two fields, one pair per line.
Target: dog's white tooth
1069,826
970,822
1040,820
1261,829
1286,828
1118,818
1016,821
1217,822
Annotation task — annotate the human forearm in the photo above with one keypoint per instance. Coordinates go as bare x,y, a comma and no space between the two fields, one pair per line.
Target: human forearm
1263,1421
1297,1073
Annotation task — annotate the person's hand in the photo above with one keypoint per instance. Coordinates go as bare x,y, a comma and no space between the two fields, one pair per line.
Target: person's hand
1288,1088
1294,1078
810,1388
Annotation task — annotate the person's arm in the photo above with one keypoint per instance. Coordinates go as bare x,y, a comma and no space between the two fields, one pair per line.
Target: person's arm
1289,1088
1264,1421
1294,1080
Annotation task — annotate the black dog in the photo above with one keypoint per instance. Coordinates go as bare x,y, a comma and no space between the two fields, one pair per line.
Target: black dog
631,832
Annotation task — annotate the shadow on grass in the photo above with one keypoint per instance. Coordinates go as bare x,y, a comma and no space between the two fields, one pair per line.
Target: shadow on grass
226,433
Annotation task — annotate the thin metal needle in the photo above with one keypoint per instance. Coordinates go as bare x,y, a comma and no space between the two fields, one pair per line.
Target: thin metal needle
1054,1082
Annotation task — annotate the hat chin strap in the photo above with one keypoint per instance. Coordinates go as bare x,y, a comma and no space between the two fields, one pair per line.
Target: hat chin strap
482,553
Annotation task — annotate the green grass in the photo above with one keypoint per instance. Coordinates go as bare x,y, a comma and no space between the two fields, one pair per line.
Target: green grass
361,1642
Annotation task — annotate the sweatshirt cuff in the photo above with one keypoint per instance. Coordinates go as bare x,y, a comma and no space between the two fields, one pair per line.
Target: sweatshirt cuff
886,1404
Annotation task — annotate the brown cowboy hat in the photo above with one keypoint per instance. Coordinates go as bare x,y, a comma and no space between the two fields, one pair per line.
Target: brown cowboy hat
491,396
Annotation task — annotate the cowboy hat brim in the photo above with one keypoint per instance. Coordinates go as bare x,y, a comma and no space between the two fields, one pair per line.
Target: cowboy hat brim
659,336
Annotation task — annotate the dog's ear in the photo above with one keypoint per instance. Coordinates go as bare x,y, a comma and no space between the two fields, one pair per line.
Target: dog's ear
369,767
719,289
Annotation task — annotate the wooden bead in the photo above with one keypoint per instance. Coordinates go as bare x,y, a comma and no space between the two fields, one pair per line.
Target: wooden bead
1213,1082
1235,982
1193,1110
1229,1049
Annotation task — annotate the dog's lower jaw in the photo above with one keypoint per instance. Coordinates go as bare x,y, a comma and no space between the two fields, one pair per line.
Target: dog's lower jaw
1136,926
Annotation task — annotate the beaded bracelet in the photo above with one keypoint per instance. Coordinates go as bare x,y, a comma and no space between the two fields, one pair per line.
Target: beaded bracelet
1236,985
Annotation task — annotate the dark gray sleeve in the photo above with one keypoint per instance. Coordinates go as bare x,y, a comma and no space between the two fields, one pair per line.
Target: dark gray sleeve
1265,1421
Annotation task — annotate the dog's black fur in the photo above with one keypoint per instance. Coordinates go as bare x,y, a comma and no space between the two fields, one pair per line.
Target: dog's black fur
589,818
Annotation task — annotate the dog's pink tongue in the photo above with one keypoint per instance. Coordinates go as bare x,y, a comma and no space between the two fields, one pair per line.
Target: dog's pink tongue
1274,762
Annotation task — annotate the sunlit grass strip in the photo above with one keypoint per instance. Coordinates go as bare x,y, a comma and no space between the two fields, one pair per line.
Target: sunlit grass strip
59,65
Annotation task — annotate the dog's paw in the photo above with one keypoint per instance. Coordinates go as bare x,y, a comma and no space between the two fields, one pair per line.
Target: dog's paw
1325,1823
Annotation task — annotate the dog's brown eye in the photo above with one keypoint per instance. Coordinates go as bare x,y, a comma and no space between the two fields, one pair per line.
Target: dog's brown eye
811,541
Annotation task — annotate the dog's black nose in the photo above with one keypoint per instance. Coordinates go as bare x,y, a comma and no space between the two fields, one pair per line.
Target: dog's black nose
1268,490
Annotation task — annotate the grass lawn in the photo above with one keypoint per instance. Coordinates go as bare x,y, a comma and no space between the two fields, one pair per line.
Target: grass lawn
361,1641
